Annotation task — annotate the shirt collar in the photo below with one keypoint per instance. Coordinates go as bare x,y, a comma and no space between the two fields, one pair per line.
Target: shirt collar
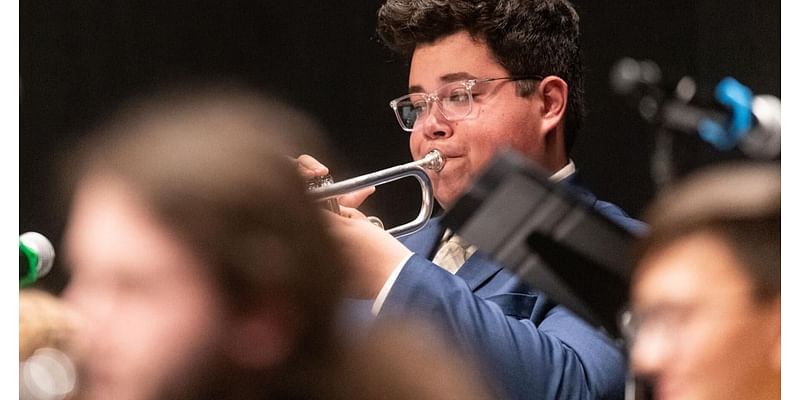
564,172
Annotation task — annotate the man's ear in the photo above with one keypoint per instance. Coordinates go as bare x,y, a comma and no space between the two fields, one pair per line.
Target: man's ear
263,336
554,93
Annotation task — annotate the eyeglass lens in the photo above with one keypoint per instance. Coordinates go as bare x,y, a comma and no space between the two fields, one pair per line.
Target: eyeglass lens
454,100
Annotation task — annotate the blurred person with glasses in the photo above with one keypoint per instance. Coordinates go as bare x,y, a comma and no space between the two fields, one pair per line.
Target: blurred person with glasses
705,320
484,75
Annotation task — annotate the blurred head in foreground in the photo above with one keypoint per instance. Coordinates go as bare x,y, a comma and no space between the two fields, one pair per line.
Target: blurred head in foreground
201,267
706,321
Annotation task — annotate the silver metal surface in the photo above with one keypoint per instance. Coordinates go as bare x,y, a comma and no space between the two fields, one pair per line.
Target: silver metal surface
434,161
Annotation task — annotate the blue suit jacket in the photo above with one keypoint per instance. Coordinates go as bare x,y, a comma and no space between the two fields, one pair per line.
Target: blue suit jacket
531,347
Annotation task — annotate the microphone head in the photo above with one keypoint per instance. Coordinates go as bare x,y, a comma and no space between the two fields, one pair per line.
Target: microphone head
628,74
764,140
43,249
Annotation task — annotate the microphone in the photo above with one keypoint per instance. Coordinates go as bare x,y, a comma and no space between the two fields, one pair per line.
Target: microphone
736,117
36,256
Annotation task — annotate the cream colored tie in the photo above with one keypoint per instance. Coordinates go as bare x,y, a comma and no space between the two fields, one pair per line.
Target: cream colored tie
453,253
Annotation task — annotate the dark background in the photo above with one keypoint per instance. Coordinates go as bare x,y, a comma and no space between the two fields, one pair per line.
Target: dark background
80,59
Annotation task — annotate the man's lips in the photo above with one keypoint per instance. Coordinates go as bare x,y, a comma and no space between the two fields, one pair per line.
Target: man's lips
448,154
448,160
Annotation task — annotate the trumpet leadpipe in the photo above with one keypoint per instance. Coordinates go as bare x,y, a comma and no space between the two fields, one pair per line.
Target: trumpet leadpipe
433,161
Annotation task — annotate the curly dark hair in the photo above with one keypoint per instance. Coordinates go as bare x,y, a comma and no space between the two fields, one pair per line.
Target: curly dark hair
527,37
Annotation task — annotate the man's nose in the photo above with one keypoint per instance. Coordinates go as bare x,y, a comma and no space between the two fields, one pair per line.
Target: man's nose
434,125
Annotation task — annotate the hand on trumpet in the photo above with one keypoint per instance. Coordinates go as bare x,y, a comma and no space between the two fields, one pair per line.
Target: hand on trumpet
310,168
371,252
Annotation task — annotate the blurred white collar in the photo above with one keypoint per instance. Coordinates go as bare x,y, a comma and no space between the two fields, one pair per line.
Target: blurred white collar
563,173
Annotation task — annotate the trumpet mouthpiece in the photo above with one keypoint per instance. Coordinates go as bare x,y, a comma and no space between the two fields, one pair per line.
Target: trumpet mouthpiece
434,160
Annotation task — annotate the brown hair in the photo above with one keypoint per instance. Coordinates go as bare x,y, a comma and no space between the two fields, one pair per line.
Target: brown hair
527,37
740,203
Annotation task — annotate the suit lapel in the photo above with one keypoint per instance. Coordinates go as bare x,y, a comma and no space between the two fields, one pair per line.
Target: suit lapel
573,182
477,270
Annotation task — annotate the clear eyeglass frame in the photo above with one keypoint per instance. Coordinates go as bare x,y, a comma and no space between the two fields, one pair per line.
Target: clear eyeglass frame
455,100
668,320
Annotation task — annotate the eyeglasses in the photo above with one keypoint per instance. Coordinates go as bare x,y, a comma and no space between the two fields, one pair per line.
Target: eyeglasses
455,101
669,319
632,322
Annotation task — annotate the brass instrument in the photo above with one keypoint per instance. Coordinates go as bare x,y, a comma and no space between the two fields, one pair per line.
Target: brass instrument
323,188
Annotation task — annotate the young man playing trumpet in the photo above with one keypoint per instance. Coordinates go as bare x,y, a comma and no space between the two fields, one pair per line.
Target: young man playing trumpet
484,75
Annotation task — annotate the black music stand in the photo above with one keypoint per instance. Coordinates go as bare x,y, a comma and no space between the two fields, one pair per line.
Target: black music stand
549,236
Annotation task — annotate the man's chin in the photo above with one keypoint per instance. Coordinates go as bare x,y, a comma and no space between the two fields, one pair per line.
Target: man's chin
447,201
448,195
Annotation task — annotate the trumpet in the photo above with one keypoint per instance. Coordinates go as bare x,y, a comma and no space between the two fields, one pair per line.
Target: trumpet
324,189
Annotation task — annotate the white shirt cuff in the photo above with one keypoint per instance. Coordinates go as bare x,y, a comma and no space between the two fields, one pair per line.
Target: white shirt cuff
387,286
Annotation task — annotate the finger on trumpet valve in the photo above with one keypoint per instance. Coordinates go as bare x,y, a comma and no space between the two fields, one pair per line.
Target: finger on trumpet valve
319,181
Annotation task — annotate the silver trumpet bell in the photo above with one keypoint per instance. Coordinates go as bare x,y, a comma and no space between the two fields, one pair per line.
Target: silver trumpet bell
323,189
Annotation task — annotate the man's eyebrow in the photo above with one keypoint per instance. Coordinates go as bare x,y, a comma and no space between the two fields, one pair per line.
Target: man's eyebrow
456,76
452,77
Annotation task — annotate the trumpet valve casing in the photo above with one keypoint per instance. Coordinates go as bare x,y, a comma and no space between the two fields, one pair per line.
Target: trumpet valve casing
318,182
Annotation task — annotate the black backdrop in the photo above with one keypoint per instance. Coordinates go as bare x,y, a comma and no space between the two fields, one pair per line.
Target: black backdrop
80,59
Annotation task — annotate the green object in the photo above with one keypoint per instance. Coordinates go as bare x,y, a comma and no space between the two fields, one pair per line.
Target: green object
27,277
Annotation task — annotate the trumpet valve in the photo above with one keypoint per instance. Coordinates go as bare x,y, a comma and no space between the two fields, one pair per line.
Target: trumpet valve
319,182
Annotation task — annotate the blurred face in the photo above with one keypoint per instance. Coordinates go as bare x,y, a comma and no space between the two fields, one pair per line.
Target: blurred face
151,311
702,335
499,116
